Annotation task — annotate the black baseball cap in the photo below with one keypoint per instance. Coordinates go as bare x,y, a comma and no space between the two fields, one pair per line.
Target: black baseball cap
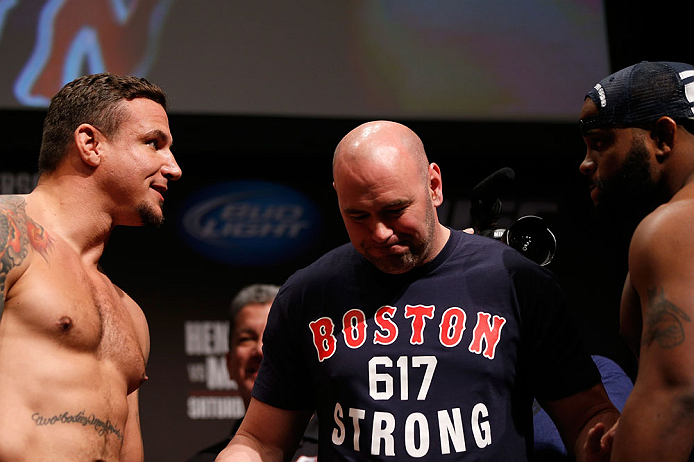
641,94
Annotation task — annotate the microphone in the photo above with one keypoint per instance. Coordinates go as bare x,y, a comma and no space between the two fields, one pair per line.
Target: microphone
485,207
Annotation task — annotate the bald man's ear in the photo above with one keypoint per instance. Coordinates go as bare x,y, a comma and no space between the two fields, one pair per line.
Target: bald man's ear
88,140
663,134
435,184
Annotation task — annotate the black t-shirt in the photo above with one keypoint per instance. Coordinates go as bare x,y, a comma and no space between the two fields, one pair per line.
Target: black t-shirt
440,363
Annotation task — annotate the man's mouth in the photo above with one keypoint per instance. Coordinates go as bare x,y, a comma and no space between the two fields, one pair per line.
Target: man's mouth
160,189
594,192
385,251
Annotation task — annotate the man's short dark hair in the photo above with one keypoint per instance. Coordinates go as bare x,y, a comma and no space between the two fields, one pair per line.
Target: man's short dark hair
93,99
255,293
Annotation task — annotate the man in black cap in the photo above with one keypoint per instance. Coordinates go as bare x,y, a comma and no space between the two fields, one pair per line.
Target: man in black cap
638,127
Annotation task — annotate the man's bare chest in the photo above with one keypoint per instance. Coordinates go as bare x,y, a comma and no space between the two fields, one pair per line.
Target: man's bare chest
59,301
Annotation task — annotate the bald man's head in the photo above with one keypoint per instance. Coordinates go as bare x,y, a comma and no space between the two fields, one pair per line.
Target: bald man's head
381,142
388,193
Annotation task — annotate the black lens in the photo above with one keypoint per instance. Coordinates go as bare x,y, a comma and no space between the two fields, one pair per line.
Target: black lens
532,238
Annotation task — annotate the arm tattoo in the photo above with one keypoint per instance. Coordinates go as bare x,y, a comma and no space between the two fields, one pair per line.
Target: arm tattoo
17,232
663,321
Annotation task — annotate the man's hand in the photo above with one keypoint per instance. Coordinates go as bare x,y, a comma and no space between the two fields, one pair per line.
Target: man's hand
598,445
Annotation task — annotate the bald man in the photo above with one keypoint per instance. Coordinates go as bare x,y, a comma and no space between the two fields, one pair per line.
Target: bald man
416,340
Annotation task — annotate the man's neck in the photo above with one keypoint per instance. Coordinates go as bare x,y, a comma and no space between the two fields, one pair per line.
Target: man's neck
71,211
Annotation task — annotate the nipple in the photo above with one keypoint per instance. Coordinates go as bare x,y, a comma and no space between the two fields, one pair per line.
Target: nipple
65,324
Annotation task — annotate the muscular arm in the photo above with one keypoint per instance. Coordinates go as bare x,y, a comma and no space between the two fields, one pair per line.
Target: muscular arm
18,233
256,440
658,419
575,415
13,248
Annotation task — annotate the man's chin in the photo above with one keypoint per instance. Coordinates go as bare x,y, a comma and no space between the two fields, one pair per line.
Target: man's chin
393,264
150,216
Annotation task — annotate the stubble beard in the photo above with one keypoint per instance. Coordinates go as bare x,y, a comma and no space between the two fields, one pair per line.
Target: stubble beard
418,251
631,194
395,264
149,216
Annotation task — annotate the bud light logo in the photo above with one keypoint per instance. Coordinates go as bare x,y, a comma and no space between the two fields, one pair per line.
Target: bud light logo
249,223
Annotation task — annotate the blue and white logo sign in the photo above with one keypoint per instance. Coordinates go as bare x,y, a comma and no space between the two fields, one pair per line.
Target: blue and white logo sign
249,223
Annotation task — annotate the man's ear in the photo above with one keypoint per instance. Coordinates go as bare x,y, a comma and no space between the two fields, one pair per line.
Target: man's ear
663,134
435,184
88,140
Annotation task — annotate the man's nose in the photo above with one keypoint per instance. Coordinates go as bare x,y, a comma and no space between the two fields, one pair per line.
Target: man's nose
588,166
381,232
170,169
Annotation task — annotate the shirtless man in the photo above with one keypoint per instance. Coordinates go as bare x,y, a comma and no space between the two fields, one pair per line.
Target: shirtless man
638,126
73,346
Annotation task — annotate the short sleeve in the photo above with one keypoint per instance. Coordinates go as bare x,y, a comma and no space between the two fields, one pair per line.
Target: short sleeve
283,380
560,364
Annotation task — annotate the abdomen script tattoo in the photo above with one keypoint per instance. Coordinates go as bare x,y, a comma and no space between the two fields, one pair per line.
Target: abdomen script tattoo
17,232
102,427
663,321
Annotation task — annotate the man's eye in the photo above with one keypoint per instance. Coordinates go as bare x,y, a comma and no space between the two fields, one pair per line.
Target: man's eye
394,213
598,142
359,217
153,143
